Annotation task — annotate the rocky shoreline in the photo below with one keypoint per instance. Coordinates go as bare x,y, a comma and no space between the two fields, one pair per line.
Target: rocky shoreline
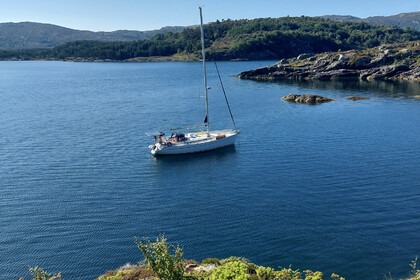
398,62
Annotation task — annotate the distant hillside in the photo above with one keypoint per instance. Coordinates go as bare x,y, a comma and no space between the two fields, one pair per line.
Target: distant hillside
265,38
410,20
405,20
31,35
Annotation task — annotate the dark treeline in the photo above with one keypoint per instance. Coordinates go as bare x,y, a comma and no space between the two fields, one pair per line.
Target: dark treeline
268,38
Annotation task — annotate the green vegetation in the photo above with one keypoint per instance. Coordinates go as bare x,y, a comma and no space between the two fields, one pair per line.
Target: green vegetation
415,273
40,274
164,261
269,38
232,270
160,256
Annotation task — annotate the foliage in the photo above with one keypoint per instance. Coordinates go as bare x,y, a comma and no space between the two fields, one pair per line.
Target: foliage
236,259
337,277
234,270
416,276
415,273
268,38
211,261
128,272
40,274
310,275
265,273
120,274
268,273
288,274
164,259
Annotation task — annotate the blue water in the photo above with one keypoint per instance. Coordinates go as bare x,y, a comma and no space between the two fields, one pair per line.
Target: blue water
333,187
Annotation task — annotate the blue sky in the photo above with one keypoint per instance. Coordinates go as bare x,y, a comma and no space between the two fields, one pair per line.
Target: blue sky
110,15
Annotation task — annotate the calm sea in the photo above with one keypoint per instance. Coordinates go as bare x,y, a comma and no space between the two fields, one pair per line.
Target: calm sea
333,187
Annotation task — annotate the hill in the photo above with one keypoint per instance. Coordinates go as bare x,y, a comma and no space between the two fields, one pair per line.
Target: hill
404,20
32,35
265,38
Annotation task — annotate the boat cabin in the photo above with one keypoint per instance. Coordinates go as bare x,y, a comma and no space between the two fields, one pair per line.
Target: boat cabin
158,137
177,137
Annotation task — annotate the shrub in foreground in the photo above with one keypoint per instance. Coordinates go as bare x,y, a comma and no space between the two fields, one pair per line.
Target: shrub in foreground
164,259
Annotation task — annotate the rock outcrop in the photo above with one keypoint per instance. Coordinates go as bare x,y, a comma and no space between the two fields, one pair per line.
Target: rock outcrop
356,98
306,98
386,62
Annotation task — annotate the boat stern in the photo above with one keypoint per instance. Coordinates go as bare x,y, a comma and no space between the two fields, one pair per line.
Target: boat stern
155,148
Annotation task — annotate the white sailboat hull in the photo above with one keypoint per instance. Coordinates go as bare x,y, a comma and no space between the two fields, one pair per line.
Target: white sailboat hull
196,143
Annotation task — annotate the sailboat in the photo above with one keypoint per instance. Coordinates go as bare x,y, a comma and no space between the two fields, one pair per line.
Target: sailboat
195,142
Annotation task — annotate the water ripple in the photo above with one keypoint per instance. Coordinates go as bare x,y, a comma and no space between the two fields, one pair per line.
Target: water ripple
331,187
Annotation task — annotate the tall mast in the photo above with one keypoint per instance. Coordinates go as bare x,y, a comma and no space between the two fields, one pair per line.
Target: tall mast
204,71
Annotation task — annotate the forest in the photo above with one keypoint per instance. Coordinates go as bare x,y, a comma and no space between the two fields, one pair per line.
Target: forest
265,38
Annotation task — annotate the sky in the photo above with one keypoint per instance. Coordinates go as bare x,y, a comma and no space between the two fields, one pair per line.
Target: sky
142,15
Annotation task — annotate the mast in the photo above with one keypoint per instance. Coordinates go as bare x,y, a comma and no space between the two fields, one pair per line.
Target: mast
204,71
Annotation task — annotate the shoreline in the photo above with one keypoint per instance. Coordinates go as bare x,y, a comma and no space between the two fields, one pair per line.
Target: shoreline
394,62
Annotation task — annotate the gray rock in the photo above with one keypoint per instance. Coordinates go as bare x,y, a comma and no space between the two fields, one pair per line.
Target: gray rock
306,98
388,62
282,62
356,98
361,62
304,56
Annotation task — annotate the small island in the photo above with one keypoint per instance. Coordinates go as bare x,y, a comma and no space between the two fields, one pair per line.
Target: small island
306,98
397,62
356,98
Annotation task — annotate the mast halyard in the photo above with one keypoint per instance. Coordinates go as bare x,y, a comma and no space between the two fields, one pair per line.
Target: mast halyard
204,71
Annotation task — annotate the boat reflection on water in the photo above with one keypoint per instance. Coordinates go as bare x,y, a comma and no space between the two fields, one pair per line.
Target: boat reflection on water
196,157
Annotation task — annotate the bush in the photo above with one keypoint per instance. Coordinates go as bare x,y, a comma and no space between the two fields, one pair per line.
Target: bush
164,259
415,273
40,274
310,275
268,273
288,274
128,272
234,270
265,273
